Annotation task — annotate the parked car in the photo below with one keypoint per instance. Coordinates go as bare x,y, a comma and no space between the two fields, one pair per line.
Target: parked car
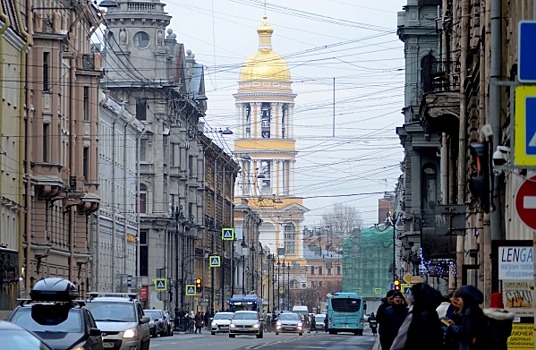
246,322
121,319
220,322
289,322
170,321
14,337
54,316
156,318
319,319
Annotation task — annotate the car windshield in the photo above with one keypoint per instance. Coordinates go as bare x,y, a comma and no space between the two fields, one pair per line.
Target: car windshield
46,320
112,311
223,316
153,314
20,340
245,316
288,317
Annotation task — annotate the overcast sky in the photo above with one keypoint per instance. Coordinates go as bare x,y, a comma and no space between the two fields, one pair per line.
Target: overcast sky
347,44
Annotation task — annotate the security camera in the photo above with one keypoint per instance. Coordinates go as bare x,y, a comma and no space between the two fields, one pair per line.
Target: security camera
500,156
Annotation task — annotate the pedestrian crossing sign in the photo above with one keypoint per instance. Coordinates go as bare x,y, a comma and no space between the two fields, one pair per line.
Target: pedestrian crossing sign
190,289
160,284
214,261
227,234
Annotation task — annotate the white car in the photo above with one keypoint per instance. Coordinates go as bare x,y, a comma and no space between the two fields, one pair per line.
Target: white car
220,322
246,322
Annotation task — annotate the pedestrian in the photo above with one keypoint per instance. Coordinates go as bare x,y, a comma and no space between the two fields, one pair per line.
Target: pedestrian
422,328
468,325
373,323
445,305
392,319
198,322
206,319
312,326
499,324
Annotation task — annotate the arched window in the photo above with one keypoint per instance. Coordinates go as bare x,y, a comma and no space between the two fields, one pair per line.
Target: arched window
142,205
290,237
428,68
430,196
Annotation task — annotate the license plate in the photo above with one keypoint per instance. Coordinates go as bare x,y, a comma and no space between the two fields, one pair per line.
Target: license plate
108,345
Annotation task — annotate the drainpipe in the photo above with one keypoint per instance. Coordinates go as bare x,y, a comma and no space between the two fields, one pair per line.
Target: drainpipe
6,21
495,109
114,230
462,153
125,191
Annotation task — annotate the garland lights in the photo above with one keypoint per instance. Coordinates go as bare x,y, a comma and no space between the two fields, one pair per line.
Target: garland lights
437,267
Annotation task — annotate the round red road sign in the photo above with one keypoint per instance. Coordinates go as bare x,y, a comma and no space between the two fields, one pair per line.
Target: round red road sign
526,202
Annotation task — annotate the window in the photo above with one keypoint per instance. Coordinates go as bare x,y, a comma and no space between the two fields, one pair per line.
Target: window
46,72
143,199
141,40
284,110
141,109
248,120
144,254
312,270
319,270
85,163
265,120
46,143
428,67
290,237
86,103
338,270
143,150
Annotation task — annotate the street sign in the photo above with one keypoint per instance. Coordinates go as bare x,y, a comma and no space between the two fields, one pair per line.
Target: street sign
160,284
407,290
378,291
281,290
526,69
227,234
190,289
214,261
525,126
407,278
526,202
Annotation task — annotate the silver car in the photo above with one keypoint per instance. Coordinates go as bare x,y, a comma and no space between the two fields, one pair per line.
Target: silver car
246,322
220,323
289,322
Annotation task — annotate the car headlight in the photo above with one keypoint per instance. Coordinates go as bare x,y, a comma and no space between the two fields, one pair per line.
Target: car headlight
256,325
213,323
278,323
300,324
232,325
79,347
130,333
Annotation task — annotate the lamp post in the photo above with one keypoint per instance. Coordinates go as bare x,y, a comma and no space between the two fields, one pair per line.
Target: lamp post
261,254
288,285
244,247
213,231
179,220
252,250
273,281
278,298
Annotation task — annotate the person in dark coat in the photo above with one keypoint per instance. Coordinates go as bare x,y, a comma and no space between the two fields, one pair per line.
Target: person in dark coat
424,331
499,326
392,319
469,324
380,313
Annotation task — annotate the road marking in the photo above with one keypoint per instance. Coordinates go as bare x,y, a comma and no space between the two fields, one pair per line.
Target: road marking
529,202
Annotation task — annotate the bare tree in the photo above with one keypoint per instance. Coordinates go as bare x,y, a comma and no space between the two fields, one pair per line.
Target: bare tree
342,220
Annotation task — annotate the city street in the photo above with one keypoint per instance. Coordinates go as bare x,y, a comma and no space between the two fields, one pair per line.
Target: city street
270,341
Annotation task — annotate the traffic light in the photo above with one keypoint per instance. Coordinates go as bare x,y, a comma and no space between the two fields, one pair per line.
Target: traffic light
198,285
397,285
479,182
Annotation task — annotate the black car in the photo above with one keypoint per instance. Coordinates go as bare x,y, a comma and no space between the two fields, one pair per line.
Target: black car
56,317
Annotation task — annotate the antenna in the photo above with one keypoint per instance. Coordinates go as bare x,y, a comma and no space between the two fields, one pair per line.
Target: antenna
265,7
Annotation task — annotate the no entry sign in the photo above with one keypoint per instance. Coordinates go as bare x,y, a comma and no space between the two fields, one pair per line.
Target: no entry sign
526,202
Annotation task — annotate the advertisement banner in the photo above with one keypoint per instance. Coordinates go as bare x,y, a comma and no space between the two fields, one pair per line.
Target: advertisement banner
518,297
522,337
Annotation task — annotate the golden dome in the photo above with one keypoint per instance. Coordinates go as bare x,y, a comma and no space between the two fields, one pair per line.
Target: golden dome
265,64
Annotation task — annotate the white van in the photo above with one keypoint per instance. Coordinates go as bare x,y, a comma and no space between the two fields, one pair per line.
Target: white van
300,309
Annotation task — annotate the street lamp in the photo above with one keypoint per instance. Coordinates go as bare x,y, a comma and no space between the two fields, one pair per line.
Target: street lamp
261,254
288,285
278,298
212,231
179,220
244,249
252,250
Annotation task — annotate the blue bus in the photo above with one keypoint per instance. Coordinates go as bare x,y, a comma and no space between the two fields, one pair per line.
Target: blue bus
345,311
249,302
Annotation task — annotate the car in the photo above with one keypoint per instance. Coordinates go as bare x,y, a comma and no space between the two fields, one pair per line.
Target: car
319,319
156,317
220,322
289,322
56,317
170,321
246,322
14,337
121,319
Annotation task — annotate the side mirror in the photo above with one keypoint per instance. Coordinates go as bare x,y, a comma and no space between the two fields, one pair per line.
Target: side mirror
144,319
95,332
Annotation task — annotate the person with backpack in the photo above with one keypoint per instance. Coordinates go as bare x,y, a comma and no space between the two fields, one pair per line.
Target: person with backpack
467,329
422,328
498,325
393,318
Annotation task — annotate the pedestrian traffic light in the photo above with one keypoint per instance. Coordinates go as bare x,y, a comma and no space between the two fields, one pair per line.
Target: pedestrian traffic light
198,285
397,284
479,182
